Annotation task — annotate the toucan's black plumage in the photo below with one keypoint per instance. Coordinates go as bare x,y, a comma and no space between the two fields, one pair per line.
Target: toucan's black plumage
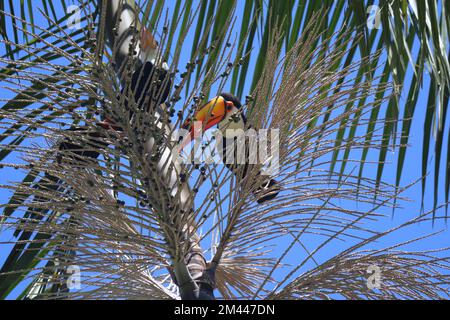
84,148
149,86
269,188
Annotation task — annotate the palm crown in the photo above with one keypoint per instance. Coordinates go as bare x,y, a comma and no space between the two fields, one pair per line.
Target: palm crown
102,192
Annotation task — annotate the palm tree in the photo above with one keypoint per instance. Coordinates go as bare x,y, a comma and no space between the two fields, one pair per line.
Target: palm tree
132,230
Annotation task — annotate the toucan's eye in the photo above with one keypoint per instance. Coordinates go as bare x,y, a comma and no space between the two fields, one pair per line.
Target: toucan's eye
229,105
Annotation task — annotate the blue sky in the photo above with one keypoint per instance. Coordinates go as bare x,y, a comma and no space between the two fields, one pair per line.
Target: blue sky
412,172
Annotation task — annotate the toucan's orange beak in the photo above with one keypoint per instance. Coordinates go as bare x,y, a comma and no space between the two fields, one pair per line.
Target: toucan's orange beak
208,115
148,42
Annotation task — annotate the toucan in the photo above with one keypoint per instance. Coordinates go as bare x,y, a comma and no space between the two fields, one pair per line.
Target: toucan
122,25
227,113
121,17
133,46
148,65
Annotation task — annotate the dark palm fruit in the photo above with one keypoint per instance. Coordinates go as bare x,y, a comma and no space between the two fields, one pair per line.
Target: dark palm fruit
120,202
141,193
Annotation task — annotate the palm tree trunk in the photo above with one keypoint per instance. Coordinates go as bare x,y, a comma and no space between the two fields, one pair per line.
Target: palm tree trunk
190,272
